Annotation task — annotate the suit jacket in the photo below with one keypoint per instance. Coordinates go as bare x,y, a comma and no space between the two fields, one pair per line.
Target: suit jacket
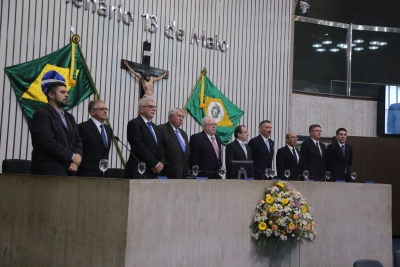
53,143
144,148
262,158
234,151
202,154
311,159
176,160
286,161
393,119
337,164
93,148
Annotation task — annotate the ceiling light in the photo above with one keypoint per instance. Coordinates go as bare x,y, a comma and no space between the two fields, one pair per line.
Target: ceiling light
334,49
374,43
374,47
317,45
382,43
358,48
358,41
321,49
342,45
326,42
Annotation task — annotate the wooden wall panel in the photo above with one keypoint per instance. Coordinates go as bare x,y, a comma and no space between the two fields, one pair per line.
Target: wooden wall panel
254,73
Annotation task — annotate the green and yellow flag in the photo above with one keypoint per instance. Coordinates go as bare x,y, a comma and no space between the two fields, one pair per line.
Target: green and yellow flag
207,100
68,61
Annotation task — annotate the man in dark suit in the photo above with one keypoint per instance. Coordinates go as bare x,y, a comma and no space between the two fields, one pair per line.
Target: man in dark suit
146,142
339,157
262,148
57,147
238,150
287,158
175,142
96,138
313,154
205,149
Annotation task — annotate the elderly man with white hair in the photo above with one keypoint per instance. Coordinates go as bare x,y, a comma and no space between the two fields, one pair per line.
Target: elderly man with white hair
205,149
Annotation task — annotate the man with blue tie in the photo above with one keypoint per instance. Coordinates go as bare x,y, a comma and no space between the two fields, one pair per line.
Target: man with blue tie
237,150
339,157
262,148
96,138
146,142
176,145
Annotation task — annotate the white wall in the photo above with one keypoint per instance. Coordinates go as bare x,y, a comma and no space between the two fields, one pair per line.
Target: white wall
254,73
358,117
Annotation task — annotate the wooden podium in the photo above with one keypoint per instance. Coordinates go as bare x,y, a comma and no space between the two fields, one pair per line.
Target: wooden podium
58,221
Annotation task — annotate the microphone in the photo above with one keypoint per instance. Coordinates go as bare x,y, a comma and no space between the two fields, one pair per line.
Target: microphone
116,138
263,173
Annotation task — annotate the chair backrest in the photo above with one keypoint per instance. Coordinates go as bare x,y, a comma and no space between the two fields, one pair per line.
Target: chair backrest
396,259
114,173
19,166
367,263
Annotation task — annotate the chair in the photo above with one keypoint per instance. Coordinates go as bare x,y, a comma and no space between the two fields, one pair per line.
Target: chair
115,173
367,263
396,259
18,166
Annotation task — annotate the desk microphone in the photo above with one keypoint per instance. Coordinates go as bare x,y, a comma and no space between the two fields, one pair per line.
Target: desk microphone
263,173
116,138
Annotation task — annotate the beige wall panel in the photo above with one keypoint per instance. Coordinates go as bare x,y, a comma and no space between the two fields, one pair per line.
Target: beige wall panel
358,117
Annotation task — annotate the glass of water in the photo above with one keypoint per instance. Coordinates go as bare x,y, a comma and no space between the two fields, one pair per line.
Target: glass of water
353,175
287,174
268,172
272,173
306,174
141,169
103,165
195,170
328,175
221,171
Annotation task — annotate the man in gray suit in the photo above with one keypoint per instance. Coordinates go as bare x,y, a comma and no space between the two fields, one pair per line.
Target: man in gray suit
175,142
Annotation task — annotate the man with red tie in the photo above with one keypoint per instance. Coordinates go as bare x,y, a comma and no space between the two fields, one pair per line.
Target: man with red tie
205,150
312,154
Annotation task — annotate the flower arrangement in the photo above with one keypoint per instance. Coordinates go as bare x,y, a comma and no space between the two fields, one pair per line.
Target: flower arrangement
282,214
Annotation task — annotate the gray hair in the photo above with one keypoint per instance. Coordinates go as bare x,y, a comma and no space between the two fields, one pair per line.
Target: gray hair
205,120
143,101
93,103
172,112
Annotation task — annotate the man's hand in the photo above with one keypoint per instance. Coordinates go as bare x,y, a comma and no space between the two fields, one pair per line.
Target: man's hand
77,159
73,167
159,168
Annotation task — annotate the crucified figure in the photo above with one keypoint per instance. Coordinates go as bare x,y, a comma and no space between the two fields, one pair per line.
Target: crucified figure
147,81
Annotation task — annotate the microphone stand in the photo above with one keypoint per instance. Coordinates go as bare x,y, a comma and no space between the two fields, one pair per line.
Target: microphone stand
131,153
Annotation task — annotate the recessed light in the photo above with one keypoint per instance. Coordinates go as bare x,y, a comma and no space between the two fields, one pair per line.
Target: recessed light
326,42
317,45
321,49
358,41
358,48
374,47
374,43
334,49
382,43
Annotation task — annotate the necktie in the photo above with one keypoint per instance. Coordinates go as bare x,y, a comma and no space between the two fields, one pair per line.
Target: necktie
152,133
244,149
267,143
180,140
344,155
214,144
294,155
103,135
318,149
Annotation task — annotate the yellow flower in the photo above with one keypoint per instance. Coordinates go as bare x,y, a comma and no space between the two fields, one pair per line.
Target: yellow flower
285,201
262,226
272,209
280,184
304,209
313,223
292,225
269,199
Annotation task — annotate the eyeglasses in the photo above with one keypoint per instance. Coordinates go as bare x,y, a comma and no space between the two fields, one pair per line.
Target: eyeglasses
101,109
150,107
293,137
212,124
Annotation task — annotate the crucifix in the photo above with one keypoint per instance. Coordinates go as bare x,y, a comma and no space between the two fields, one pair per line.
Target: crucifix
144,72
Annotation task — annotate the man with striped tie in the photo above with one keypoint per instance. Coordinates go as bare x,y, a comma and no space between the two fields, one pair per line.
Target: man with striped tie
237,150
176,145
339,157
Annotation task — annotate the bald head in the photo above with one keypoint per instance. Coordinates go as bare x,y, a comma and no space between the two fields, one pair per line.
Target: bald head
291,139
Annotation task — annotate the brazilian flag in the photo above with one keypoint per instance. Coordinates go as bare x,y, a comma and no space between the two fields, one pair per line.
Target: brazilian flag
207,100
26,78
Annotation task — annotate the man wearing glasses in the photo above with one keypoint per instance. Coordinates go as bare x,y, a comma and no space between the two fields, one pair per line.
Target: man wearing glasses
96,138
146,142
288,158
205,150
312,154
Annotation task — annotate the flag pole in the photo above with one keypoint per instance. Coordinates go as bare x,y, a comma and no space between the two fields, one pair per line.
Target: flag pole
203,72
75,39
